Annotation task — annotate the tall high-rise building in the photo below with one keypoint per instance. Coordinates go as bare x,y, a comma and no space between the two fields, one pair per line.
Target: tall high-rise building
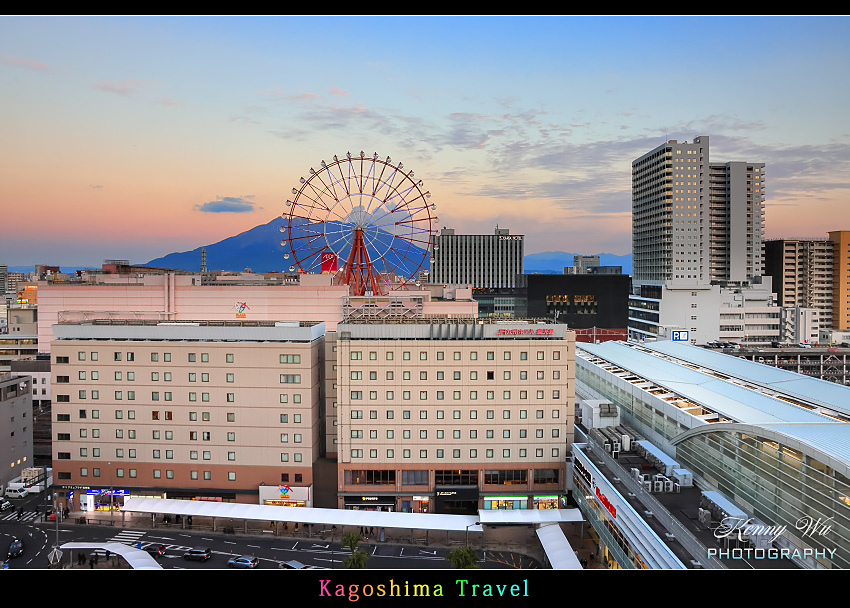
694,221
697,248
485,261
802,271
840,278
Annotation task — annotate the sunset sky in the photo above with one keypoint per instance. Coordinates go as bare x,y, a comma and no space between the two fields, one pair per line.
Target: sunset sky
132,137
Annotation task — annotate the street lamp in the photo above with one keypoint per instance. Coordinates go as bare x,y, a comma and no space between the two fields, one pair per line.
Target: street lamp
467,531
333,532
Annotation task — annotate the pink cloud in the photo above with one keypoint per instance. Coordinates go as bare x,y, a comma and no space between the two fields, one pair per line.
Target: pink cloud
121,87
18,62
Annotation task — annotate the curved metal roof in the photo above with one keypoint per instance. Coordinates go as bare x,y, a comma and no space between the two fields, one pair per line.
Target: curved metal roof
814,390
827,442
730,400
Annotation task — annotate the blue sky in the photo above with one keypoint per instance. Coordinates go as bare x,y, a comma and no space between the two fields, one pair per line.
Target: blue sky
131,137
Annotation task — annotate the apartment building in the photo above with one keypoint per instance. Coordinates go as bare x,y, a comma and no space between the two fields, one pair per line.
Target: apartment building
697,232
802,271
453,417
195,410
840,279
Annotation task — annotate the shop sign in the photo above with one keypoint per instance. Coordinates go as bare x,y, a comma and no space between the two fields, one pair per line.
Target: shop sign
606,503
583,472
540,331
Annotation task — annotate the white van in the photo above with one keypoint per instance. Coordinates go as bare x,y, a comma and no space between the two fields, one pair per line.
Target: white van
15,492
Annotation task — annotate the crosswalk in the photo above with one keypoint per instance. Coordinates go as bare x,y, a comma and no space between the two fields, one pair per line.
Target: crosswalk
12,515
127,537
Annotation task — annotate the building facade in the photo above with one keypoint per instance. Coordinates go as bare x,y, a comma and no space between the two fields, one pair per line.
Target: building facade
16,449
194,410
484,261
694,221
802,271
840,279
453,417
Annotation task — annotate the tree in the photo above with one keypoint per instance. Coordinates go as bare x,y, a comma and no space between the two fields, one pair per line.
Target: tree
351,540
464,557
358,558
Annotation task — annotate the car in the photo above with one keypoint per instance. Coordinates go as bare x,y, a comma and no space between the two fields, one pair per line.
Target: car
293,565
156,550
243,561
804,345
5,505
16,549
201,555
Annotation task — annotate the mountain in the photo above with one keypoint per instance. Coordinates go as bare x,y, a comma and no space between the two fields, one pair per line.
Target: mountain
258,248
553,262
261,250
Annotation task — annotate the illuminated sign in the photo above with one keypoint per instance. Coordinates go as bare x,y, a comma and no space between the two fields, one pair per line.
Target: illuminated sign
540,331
510,238
284,491
583,472
606,503
680,336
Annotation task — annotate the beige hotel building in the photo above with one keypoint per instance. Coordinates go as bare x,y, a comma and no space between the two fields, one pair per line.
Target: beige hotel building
208,410
453,417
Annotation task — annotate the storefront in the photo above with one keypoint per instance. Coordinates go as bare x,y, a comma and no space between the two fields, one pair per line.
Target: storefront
370,503
416,504
456,500
286,496
546,502
100,499
505,502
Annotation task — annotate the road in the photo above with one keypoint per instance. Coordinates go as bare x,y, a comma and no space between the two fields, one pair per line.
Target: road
39,539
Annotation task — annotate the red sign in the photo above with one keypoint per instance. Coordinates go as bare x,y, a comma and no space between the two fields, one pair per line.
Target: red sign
606,503
329,261
542,331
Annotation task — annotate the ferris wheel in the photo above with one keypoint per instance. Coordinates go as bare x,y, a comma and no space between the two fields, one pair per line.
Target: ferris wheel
363,218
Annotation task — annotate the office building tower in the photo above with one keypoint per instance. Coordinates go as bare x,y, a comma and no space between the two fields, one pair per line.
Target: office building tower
840,278
484,261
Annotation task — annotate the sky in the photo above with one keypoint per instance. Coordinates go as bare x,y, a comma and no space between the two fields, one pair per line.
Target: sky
133,137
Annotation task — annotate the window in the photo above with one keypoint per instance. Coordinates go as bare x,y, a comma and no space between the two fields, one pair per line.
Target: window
192,357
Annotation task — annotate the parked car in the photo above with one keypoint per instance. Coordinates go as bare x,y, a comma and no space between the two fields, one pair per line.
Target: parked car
243,561
201,555
804,345
16,549
5,505
293,565
156,550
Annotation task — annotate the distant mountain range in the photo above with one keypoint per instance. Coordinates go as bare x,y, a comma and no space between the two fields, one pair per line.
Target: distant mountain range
260,250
